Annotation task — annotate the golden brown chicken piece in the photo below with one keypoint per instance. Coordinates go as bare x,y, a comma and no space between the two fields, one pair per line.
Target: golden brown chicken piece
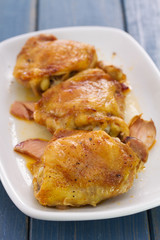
90,100
114,72
81,167
44,61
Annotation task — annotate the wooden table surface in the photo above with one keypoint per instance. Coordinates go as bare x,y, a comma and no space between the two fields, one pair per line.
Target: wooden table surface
141,18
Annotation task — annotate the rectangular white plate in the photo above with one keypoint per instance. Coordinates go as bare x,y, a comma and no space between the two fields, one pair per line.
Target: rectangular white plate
145,81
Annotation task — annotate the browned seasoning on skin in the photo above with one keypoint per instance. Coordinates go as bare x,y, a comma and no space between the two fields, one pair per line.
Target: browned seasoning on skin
100,174
44,59
88,106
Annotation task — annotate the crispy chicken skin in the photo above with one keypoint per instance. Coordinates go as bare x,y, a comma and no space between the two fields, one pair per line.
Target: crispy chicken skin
89,100
114,72
44,60
81,167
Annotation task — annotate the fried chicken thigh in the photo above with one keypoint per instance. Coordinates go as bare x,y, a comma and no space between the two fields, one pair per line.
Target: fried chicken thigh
82,167
44,61
90,100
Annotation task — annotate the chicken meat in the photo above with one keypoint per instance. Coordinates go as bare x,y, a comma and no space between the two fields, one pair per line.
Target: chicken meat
80,167
90,100
44,61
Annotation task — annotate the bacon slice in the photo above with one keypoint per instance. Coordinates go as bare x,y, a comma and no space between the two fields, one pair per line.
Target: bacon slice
32,147
138,147
23,110
143,130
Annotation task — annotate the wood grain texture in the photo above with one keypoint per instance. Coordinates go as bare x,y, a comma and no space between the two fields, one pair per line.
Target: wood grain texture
16,17
64,13
154,216
13,223
126,228
143,23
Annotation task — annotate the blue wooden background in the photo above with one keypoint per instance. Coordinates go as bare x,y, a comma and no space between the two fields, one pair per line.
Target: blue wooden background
141,18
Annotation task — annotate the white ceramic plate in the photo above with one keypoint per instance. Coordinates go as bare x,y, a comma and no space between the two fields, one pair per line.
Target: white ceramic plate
145,81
